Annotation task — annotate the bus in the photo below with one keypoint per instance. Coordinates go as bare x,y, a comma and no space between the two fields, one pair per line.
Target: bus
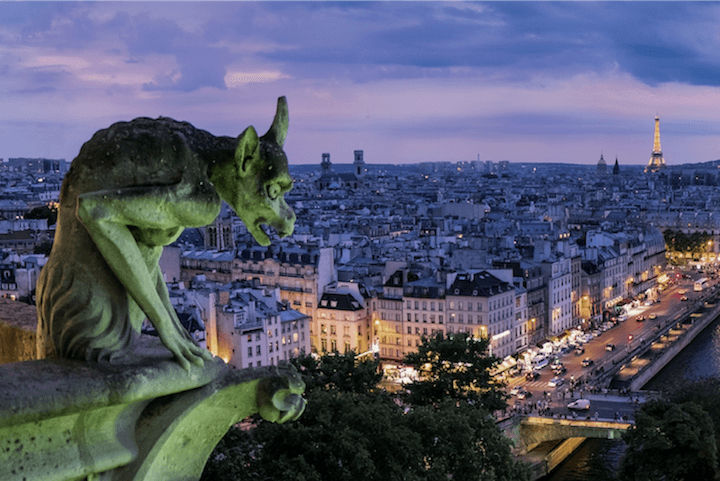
701,284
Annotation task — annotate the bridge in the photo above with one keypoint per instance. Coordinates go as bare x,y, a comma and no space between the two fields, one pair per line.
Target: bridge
530,431
545,442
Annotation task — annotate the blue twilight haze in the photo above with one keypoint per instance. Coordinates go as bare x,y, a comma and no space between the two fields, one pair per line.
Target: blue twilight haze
404,81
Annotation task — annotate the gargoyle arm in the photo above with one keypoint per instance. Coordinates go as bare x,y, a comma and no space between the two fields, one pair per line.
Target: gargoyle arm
153,211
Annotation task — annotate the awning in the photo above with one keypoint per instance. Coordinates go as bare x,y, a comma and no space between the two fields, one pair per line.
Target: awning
503,366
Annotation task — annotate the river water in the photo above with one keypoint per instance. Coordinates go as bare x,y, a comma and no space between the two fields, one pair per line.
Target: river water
599,459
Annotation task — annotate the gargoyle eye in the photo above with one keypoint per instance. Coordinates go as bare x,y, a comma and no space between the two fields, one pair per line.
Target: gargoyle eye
273,191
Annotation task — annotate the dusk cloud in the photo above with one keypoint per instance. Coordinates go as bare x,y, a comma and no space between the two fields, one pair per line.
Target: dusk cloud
380,76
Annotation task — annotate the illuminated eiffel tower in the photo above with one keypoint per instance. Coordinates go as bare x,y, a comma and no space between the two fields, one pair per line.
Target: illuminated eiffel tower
657,161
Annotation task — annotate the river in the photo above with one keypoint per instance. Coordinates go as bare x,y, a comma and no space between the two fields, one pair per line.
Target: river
599,459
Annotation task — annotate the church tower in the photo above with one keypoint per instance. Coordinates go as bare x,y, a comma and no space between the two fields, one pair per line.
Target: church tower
657,161
325,165
359,165
616,169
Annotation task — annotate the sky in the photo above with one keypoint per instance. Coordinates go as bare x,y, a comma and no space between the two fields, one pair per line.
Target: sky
405,82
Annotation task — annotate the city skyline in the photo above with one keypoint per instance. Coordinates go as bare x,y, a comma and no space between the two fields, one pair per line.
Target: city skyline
405,82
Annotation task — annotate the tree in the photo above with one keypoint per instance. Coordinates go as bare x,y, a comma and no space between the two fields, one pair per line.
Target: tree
671,442
460,441
43,212
341,372
351,431
456,366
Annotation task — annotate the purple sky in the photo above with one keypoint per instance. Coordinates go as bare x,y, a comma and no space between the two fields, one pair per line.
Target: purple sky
403,81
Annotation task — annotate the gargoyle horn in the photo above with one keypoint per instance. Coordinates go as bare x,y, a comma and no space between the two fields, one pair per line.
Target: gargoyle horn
279,127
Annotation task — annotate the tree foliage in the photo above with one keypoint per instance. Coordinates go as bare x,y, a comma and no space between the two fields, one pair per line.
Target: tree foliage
671,442
43,212
694,243
351,431
340,372
455,366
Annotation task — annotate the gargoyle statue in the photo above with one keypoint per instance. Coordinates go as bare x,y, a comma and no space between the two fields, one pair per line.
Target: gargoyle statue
131,190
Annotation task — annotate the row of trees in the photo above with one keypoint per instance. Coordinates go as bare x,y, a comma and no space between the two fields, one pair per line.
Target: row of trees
440,428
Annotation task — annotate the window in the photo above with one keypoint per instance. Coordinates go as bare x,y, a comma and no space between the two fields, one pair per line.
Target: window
249,351
424,305
409,330
323,329
258,350
470,306
440,306
417,305
332,329
432,305
323,344
333,345
440,319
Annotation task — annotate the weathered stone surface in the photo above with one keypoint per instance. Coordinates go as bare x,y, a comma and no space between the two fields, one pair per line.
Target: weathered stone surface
143,418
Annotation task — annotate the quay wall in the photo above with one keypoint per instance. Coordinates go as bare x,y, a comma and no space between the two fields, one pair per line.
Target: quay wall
674,349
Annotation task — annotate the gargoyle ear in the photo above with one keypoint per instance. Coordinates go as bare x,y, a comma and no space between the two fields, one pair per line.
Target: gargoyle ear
279,127
247,149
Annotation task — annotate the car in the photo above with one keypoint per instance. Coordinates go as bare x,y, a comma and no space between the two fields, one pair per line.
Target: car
684,298
559,370
682,291
640,318
516,390
524,394
580,404
579,351
565,350
532,375
556,381
555,364
610,347
587,362
652,316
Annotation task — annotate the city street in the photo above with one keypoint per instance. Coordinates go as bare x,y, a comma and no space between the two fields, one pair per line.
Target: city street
624,336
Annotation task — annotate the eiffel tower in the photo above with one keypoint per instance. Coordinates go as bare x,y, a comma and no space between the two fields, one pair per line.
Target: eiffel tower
657,161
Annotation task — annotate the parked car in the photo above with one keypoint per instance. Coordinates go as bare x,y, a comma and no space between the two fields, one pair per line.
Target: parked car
610,347
556,381
640,318
516,390
579,351
580,404
684,298
652,316
559,370
587,362
532,375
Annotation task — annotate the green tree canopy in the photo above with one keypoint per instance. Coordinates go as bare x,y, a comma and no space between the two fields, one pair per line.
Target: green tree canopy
43,212
352,431
456,366
670,442
341,372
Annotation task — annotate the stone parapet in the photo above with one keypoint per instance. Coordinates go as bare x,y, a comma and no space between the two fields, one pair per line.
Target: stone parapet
142,419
